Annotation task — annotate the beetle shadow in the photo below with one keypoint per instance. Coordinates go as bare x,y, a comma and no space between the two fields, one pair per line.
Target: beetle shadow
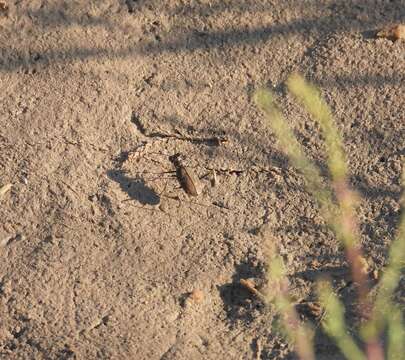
134,187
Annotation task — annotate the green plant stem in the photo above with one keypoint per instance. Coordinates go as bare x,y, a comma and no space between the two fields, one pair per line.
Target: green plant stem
334,323
265,100
310,97
342,219
298,334
344,225
383,308
396,335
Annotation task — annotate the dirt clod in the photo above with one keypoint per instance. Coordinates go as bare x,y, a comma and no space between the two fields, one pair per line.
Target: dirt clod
396,32
4,189
3,7
364,267
197,296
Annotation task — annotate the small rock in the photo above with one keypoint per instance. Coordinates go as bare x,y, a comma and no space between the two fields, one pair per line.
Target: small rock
364,268
396,32
197,296
4,189
3,7
164,207
5,241
8,239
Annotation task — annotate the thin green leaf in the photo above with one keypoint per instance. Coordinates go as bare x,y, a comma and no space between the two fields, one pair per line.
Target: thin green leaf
310,97
391,276
265,101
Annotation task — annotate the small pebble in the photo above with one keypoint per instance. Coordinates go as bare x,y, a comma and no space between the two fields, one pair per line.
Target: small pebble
364,268
3,7
396,32
164,207
5,241
197,296
4,189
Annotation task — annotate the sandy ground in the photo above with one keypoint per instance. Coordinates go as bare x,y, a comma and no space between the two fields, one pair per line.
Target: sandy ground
99,245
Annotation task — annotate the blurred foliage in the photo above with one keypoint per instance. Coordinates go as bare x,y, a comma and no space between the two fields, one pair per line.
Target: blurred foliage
339,210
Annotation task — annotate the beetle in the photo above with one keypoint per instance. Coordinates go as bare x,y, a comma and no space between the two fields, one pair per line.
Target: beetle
187,179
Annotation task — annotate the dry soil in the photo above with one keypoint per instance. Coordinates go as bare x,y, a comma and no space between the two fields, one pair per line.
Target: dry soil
100,247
